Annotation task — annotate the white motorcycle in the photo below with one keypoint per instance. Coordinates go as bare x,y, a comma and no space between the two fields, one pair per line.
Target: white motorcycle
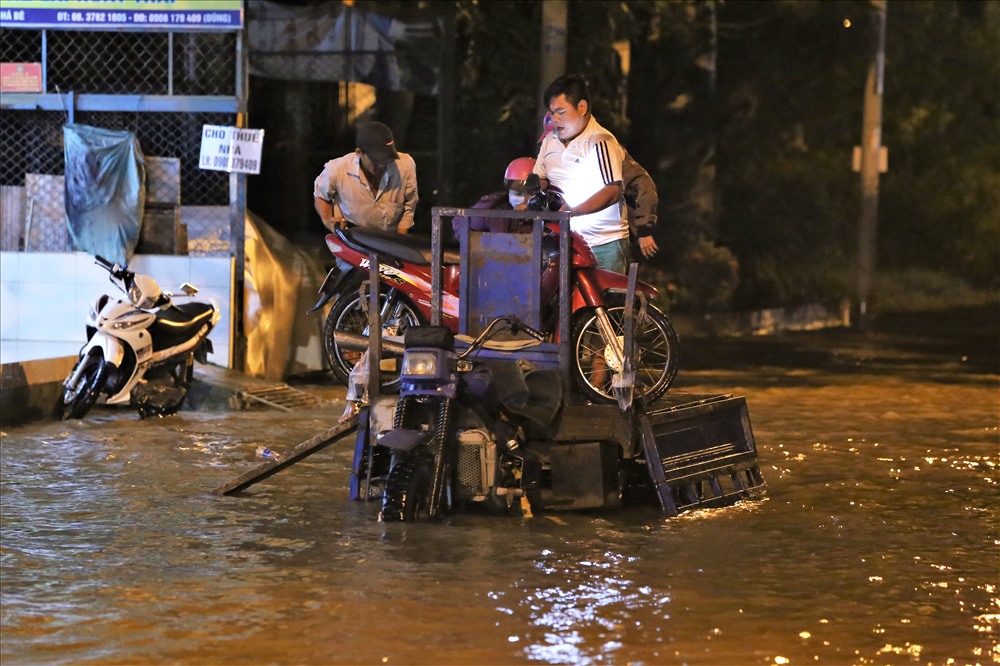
140,350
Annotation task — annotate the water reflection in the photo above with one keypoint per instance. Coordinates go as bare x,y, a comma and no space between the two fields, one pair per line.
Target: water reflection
877,543
592,598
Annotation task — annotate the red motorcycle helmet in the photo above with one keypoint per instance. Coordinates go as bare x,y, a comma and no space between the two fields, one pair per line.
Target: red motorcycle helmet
517,172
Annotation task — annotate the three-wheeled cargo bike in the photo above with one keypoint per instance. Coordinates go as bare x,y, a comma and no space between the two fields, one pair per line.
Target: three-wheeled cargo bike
490,418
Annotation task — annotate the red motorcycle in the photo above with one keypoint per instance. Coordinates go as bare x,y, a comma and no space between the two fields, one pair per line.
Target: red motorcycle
598,306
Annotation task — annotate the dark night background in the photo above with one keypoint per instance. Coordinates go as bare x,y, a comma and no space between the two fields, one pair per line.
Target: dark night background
745,113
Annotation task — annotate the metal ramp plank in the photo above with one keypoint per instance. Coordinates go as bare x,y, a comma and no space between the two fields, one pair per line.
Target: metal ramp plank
303,450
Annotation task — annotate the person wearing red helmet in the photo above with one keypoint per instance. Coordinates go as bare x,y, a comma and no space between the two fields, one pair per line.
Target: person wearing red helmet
513,197
641,198
515,181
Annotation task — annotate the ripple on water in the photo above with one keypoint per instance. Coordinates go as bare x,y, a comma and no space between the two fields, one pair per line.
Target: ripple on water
876,543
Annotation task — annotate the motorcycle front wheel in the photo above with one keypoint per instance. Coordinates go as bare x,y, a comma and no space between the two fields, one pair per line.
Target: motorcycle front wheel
408,490
74,403
656,354
349,315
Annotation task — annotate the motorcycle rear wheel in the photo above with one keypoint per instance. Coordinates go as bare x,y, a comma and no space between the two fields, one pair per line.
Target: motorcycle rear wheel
657,353
75,403
407,496
176,380
349,315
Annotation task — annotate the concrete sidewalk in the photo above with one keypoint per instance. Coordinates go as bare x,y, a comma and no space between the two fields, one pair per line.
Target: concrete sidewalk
29,389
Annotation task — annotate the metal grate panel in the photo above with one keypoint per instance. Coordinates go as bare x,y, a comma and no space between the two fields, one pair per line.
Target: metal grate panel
476,453
278,396
129,64
20,45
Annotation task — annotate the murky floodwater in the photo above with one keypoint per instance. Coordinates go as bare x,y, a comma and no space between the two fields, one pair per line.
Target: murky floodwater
877,544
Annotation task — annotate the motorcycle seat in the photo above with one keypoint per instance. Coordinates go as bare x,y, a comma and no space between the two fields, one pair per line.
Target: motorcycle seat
178,323
409,248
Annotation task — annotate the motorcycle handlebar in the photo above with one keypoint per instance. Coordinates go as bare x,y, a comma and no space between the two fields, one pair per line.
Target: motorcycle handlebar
514,325
119,272
517,325
546,200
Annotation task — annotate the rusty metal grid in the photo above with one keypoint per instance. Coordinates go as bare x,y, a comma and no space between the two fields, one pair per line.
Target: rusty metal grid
122,66
31,142
108,62
128,63
20,45
173,135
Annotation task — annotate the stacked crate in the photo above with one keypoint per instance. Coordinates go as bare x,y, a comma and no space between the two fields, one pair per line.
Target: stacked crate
162,231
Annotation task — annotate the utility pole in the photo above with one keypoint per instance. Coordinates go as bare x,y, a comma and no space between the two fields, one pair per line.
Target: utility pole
871,158
552,63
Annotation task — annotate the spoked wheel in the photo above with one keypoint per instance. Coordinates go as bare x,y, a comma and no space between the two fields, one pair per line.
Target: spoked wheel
350,315
75,402
408,491
656,354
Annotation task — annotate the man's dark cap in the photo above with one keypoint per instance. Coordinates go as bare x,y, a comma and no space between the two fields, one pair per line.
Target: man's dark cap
375,140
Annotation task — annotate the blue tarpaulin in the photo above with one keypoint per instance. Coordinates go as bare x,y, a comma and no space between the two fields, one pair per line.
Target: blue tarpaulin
105,190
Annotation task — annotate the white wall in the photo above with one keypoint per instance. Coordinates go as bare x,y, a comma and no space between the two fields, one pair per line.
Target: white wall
44,297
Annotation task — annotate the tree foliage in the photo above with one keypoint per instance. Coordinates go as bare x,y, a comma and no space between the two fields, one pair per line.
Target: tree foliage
942,126
790,108
746,114
791,88
497,50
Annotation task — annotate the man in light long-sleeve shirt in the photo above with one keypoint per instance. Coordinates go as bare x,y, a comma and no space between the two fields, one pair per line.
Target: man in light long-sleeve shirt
373,187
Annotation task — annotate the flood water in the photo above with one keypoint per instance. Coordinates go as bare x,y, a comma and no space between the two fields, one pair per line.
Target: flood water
877,542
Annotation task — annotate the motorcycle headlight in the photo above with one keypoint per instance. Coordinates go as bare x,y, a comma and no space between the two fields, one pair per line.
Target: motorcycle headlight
122,324
144,292
420,364
135,296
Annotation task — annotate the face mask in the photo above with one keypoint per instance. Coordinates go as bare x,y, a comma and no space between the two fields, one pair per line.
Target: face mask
516,198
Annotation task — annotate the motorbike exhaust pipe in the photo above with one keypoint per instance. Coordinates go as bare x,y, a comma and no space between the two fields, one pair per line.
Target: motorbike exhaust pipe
356,342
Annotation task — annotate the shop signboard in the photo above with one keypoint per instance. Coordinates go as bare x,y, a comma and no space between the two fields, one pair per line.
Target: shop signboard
21,77
122,14
232,149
